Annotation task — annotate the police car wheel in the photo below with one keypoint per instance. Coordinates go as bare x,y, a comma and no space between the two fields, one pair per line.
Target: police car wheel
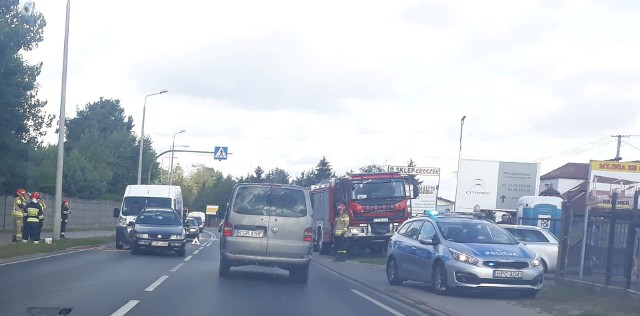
392,272
440,279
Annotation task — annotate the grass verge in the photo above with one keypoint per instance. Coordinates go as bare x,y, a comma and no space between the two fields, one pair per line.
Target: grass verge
560,299
21,249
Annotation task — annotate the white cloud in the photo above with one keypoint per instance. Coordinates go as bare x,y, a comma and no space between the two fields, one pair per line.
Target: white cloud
283,83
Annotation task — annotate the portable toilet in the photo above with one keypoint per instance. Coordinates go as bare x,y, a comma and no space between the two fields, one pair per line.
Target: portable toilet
541,211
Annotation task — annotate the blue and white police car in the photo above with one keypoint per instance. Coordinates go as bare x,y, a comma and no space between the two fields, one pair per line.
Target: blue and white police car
453,252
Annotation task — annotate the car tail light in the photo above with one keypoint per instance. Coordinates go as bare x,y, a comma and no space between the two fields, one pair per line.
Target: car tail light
308,234
227,230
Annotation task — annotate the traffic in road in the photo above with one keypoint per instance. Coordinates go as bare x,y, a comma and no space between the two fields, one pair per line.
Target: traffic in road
107,281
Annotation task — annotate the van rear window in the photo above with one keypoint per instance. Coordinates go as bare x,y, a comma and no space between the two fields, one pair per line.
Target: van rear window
271,201
132,205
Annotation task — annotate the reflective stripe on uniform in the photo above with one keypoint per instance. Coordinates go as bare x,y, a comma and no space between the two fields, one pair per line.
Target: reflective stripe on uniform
33,220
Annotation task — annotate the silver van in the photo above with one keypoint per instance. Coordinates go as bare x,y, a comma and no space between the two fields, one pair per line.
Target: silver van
269,225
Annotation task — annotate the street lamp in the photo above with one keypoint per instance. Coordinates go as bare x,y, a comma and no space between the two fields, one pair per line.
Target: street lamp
144,110
455,206
173,144
161,164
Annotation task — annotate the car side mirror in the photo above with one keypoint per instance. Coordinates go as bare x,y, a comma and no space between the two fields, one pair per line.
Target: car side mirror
131,224
427,240
116,212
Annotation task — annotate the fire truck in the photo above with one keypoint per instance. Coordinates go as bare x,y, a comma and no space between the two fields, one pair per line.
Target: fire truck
377,203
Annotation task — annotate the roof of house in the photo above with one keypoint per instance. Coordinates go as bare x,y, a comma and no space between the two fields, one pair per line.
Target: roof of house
445,200
550,192
572,170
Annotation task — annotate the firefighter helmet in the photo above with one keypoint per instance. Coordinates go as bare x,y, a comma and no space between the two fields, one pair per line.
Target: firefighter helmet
35,195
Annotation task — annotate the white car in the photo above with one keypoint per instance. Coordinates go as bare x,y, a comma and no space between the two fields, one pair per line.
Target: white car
539,240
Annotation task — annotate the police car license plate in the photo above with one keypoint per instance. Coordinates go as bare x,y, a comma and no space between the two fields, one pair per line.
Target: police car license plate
249,233
160,243
505,274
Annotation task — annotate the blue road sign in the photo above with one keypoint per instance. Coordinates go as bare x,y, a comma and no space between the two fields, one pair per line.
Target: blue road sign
220,153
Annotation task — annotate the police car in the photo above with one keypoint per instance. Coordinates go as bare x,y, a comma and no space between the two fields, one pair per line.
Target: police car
453,252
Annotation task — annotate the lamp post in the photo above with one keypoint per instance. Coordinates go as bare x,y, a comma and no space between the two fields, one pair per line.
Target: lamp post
162,164
455,206
172,148
144,111
57,210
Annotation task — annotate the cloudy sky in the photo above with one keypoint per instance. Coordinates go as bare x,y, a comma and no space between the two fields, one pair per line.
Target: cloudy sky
283,83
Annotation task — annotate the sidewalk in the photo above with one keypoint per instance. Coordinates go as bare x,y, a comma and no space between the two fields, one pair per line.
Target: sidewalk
5,235
420,295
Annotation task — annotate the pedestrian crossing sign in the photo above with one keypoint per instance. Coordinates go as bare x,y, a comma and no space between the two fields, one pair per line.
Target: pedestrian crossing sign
220,153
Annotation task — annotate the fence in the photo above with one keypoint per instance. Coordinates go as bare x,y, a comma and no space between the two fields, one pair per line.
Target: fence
85,214
611,244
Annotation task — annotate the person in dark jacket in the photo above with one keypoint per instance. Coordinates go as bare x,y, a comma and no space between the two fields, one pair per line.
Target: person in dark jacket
32,220
65,217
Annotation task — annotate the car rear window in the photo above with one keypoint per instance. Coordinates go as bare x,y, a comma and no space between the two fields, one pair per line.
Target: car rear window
271,201
528,235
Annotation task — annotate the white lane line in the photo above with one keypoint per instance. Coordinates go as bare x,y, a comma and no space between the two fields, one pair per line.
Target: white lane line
156,283
370,299
188,258
177,267
44,257
196,252
201,247
124,309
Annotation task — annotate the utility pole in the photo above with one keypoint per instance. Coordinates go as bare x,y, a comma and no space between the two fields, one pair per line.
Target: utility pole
619,137
618,158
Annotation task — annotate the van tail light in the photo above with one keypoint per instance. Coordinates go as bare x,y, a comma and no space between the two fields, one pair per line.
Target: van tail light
308,234
227,230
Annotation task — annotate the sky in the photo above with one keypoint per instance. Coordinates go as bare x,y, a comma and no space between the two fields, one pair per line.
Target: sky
284,83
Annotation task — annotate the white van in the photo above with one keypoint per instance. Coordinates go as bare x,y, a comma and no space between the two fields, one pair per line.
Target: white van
137,198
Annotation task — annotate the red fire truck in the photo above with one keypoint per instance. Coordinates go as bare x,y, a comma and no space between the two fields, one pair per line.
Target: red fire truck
377,203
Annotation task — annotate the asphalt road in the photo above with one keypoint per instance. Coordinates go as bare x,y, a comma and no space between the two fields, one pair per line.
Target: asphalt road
106,281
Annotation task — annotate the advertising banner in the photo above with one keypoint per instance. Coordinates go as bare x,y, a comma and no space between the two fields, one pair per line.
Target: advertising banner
429,179
608,177
495,185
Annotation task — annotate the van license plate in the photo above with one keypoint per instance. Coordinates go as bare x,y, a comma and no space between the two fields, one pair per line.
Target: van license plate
504,274
378,220
160,243
249,233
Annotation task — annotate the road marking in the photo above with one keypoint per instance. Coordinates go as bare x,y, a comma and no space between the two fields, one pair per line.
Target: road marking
196,252
127,307
201,247
188,258
177,267
156,283
45,257
370,299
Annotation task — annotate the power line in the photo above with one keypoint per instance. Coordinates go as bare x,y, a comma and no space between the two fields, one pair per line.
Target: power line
579,149
631,145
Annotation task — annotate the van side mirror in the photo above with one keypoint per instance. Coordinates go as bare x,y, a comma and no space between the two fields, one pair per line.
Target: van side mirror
116,212
131,224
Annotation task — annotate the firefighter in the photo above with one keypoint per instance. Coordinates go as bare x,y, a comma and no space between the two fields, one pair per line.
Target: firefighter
18,214
34,216
43,205
65,217
340,229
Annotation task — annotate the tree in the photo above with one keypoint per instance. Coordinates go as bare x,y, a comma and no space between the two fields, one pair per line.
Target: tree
323,170
257,177
277,175
306,178
372,169
103,136
23,119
